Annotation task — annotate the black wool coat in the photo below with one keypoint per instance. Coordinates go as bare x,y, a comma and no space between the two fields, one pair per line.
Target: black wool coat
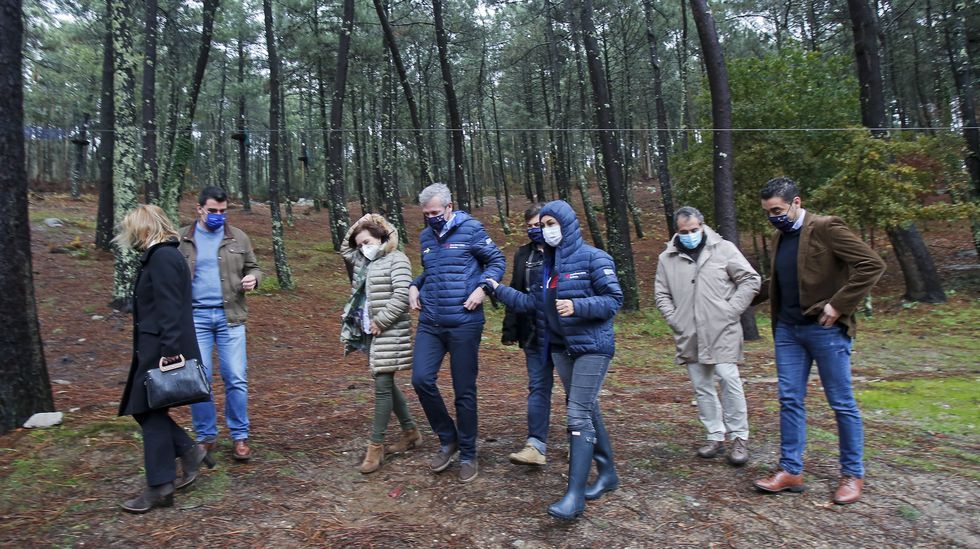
163,320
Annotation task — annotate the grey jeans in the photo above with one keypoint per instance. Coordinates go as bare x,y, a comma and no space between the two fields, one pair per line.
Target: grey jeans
727,414
582,378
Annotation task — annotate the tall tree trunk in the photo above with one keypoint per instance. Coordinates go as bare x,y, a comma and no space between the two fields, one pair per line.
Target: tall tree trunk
485,136
663,133
183,146
556,62
425,172
533,151
363,189
922,281
242,135
687,117
26,389
105,217
220,147
721,116
500,149
339,216
148,96
80,141
285,154
617,223
283,272
452,103
126,169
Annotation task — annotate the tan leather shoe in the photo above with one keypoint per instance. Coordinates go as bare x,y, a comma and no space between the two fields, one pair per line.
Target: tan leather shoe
373,459
529,455
410,438
240,451
780,482
848,490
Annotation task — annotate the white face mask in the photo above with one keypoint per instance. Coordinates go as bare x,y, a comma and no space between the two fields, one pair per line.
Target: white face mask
552,235
371,251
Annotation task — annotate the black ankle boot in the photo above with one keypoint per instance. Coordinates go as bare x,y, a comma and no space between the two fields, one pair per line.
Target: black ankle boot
606,479
152,496
190,464
579,462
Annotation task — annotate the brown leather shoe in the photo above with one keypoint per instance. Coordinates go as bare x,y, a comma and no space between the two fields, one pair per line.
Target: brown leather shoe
241,451
848,490
712,449
409,439
780,482
373,459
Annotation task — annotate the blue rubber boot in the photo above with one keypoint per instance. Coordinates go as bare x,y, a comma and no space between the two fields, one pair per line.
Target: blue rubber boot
606,479
573,504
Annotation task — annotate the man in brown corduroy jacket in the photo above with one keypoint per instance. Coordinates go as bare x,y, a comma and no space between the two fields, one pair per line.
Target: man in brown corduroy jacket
821,272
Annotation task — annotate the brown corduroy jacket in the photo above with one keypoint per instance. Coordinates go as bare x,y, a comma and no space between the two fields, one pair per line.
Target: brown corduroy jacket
834,266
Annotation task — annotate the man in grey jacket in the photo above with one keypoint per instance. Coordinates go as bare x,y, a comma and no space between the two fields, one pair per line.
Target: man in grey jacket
703,285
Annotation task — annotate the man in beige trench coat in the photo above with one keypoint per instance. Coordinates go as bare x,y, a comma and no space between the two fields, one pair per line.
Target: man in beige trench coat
703,285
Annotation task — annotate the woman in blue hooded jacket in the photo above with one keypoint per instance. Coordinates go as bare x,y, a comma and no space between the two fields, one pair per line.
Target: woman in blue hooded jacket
579,295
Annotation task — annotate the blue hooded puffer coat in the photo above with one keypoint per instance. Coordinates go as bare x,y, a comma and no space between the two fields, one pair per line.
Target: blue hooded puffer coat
587,276
453,266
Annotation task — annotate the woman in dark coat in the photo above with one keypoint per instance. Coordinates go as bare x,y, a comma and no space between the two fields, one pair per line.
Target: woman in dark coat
163,328
576,299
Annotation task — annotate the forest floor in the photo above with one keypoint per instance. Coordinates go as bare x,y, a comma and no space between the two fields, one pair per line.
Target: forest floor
916,370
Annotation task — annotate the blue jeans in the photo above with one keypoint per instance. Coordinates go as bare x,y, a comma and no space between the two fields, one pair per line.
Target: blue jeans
796,349
540,381
582,378
212,327
463,345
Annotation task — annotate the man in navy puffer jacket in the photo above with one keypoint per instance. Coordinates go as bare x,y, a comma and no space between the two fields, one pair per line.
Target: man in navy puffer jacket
457,259
578,296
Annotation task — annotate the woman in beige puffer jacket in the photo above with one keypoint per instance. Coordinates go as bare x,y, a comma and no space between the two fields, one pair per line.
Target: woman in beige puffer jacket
370,248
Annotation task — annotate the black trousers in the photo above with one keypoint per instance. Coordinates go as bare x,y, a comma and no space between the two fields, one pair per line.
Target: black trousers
163,442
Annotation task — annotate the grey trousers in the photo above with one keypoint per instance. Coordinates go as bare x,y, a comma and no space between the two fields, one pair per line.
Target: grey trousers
727,414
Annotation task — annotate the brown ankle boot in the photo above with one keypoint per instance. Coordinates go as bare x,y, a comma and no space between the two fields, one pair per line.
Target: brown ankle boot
373,459
411,438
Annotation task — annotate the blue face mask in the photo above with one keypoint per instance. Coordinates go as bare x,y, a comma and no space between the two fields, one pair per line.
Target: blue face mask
437,223
215,221
691,240
782,222
535,235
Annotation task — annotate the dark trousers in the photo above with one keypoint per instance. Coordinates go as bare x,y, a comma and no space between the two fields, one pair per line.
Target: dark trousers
540,381
163,442
463,345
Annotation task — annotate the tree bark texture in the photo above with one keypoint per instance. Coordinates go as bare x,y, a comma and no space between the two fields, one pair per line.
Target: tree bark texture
617,222
663,133
462,197
104,218
339,216
243,141
80,141
283,272
25,389
148,96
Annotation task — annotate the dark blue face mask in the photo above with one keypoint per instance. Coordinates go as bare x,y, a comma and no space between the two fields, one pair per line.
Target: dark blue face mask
437,223
535,235
782,222
215,221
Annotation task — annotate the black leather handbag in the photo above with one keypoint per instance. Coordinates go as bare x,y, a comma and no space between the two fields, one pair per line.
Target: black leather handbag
177,384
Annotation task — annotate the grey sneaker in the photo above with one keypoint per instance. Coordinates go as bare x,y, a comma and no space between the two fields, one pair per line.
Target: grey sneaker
442,459
711,449
468,471
740,452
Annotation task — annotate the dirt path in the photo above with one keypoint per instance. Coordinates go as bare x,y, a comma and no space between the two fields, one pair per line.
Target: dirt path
311,410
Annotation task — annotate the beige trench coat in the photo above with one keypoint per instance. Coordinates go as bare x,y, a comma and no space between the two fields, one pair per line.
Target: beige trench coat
703,301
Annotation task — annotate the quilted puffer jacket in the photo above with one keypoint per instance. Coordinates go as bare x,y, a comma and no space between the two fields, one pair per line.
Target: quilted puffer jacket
387,279
454,265
587,276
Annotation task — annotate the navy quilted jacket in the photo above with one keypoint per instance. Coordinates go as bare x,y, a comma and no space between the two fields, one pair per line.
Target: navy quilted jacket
452,267
587,276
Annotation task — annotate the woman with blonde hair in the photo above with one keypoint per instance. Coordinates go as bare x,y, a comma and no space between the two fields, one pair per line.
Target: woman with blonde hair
163,333
377,321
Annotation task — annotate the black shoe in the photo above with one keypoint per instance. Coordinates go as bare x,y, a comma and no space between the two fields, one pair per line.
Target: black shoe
573,504
190,464
150,497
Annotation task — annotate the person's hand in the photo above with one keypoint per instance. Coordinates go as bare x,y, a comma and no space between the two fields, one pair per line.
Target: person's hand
565,307
248,283
475,300
413,298
829,316
168,360
375,329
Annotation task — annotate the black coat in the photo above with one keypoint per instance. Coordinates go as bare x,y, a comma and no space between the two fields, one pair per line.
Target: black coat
163,320
519,327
